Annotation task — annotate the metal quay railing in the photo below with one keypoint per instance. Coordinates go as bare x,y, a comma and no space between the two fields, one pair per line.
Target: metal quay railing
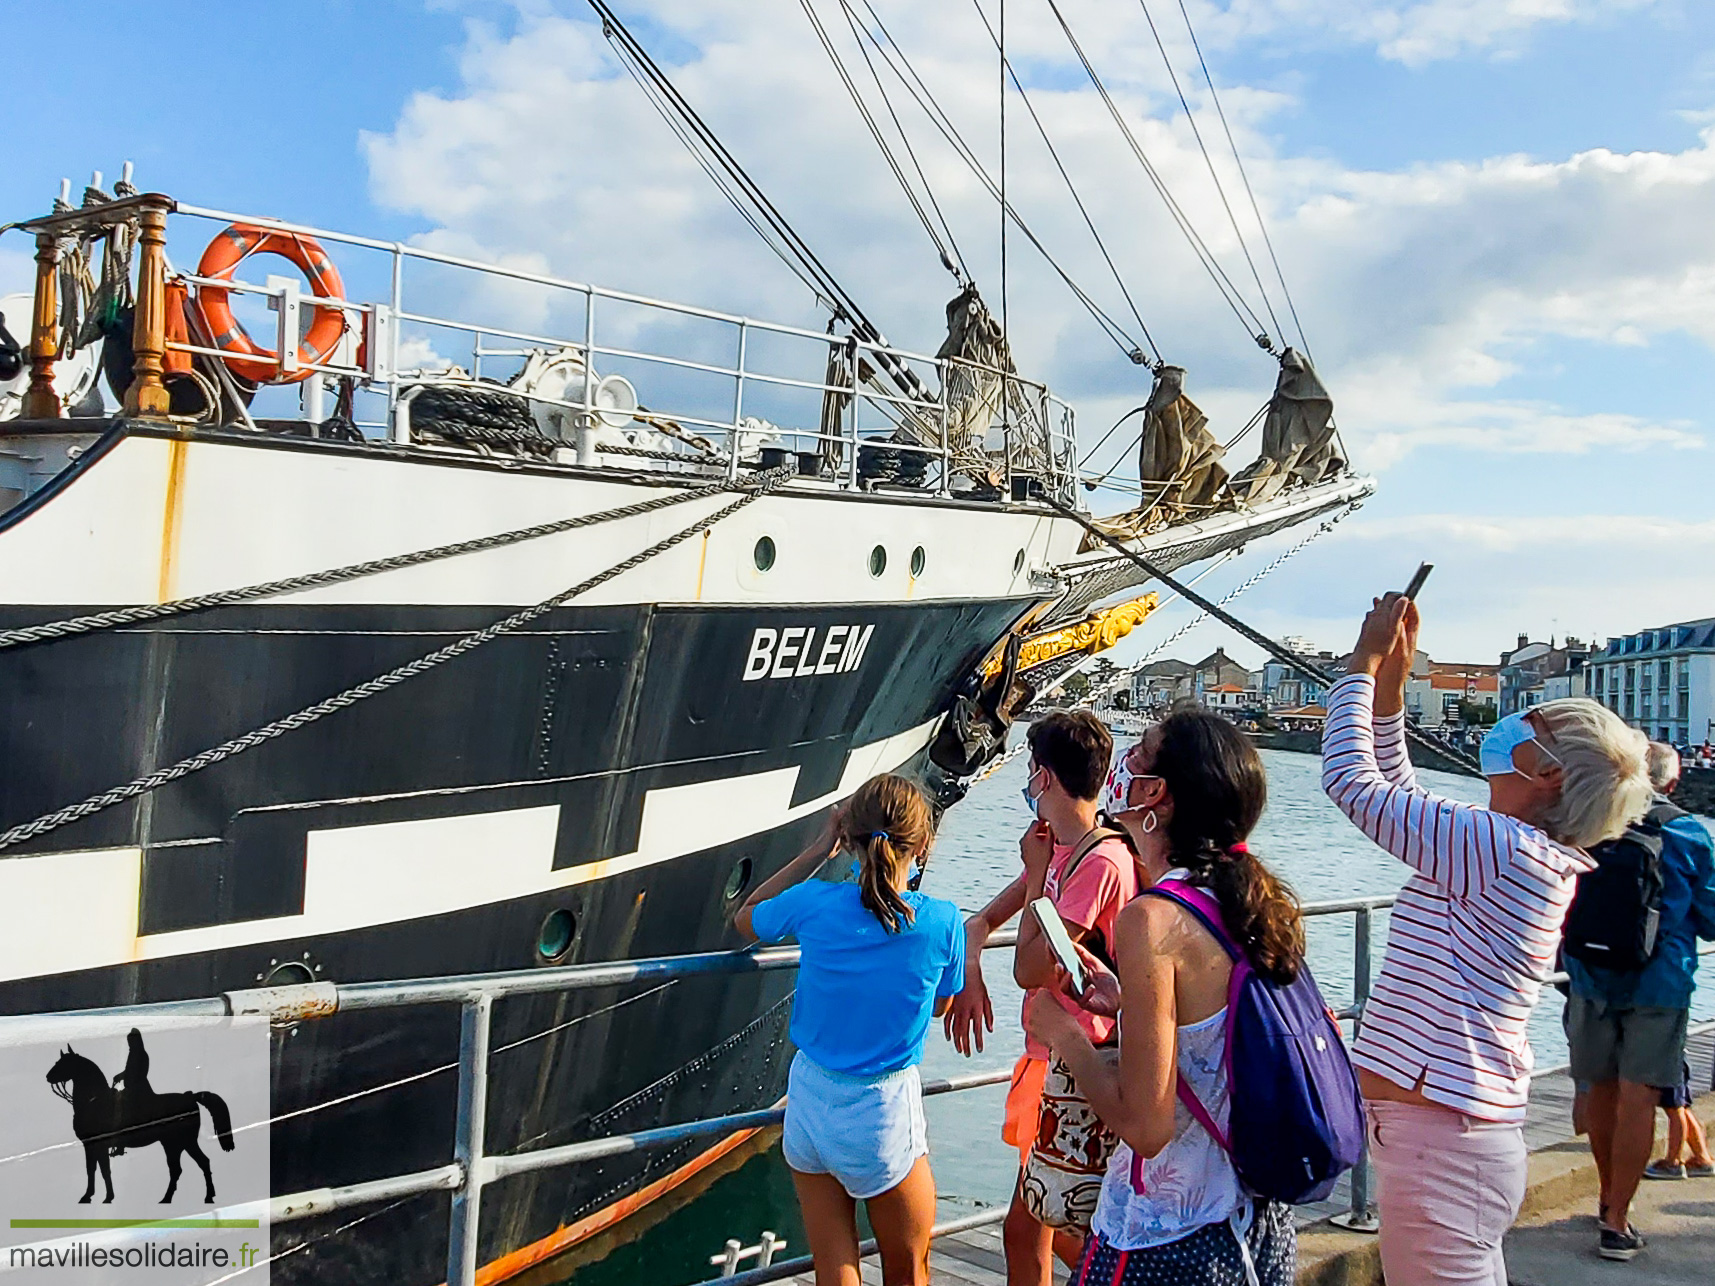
472,1167
371,356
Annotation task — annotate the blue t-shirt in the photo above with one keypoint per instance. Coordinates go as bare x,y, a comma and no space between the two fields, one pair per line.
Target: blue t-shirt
865,996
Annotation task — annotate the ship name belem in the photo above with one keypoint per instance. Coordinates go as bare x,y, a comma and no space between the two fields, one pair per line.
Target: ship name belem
795,651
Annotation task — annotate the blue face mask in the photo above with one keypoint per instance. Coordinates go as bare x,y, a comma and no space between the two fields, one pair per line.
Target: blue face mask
1495,756
1034,801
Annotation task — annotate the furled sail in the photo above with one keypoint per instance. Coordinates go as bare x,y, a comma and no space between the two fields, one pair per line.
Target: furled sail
976,353
1178,462
1298,442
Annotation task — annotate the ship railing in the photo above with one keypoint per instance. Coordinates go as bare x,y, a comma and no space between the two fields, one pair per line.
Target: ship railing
743,384
472,1167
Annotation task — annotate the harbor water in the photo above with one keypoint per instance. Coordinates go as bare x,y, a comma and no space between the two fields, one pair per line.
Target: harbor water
1302,835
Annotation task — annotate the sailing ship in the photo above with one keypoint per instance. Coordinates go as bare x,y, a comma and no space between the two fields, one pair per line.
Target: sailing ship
543,658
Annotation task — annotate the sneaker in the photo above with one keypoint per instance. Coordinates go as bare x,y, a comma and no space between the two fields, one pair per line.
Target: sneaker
1664,1170
1695,1171
1620,1246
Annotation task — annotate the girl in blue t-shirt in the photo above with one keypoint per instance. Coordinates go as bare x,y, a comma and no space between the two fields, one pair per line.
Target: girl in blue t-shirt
879,960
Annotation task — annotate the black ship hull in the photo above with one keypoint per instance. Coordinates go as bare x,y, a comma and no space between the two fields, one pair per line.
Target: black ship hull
557,737
603,784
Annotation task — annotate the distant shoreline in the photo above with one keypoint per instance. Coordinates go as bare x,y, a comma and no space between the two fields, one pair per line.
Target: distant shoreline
1696,791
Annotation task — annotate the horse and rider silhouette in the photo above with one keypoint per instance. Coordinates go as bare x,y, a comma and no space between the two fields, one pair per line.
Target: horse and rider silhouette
107,1119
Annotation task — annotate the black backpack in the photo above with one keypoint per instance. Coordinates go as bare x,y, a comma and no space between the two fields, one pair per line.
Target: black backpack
1615,915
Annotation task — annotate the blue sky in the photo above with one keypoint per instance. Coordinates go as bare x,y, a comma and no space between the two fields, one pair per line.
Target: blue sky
1497,217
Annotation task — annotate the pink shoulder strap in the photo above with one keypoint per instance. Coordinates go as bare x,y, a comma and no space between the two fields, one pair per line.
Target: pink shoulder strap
1202,900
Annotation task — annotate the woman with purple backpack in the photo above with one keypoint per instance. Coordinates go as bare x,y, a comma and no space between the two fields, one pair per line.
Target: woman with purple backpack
1174,1207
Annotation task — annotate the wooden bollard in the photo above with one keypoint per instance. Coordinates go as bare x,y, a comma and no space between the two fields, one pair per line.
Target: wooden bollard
41,399
147,395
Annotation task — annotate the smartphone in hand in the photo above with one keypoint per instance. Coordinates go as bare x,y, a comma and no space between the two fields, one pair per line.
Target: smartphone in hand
1060,942
1421,575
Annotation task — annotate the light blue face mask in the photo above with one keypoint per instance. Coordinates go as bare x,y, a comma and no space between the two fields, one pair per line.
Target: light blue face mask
1495,755
1035,801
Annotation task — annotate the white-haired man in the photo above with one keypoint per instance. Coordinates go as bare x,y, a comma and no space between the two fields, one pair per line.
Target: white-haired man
1626,1027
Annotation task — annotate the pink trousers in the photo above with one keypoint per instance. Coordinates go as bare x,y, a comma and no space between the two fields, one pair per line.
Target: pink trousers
1449,1187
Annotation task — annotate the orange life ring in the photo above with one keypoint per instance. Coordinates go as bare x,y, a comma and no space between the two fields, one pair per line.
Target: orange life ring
248,358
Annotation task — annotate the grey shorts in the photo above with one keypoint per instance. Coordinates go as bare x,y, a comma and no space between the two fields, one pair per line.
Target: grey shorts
1609,1042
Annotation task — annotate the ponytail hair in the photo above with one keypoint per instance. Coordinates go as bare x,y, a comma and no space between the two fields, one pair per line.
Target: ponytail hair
1219,789
887,824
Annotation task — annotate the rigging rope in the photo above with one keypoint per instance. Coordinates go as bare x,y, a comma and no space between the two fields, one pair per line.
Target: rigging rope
1072,189
1001,42
826,287
722,184
1224,284
925,99
941,247
1279,651
1220,188
758,487
337,575
1261,223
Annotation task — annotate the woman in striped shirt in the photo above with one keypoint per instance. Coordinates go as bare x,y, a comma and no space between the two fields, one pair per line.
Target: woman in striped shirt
1443,1056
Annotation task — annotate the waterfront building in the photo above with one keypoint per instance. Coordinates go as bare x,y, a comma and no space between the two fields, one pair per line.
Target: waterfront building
1228,698
1282,687
1660,680
1156,686
1526,670
1461,694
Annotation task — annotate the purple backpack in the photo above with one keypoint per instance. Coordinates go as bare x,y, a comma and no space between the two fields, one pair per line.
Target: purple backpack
1296,1121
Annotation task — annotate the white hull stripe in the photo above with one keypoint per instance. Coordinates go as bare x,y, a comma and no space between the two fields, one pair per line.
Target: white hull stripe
62,912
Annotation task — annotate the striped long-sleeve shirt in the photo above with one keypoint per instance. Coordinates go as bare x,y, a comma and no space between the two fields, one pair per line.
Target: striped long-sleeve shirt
1475,929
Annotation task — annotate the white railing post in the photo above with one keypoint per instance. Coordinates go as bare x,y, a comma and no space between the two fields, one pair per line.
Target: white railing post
468,1143
399,432
585,432
856,354
1360,1216
737,401
941,369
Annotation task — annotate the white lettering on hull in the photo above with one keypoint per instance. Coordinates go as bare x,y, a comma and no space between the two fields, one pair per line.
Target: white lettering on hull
795,652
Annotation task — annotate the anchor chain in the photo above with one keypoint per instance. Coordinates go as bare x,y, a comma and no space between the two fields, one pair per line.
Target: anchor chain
333,576
361,692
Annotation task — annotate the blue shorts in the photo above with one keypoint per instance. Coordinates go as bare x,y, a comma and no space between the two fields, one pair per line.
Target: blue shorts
865,1131
1678,1095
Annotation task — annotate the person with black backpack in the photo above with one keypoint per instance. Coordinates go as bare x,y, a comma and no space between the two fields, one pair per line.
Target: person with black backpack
1631,957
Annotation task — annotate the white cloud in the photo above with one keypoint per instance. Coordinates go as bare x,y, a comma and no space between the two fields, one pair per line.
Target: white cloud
1425,290
1590,575
1414,31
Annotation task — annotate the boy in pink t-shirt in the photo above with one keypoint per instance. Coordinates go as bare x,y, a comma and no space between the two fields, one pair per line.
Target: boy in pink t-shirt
1088,878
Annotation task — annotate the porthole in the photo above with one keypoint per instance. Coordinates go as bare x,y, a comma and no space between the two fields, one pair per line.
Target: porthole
291,973
877,560
764,553
738,879
1018,562
919,560
554,938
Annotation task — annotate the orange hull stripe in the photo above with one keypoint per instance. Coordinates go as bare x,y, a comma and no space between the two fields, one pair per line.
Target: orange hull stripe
564,1238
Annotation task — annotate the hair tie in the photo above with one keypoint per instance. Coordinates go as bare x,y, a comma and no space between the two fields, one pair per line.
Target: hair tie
1240,849
881,835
